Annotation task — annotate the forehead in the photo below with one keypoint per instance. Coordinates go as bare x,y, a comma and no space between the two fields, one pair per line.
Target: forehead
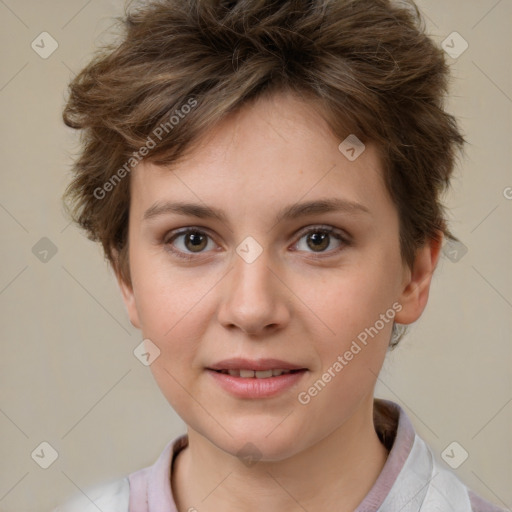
276,150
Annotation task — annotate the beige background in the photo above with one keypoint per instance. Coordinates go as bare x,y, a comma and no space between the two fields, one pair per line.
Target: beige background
67,372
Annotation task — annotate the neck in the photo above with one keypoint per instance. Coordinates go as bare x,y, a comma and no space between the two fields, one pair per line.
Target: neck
344,465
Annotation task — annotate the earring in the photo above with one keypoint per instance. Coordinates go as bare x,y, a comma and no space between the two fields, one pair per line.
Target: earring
396,334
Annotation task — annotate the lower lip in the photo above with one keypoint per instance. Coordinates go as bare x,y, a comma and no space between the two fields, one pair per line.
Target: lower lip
256,388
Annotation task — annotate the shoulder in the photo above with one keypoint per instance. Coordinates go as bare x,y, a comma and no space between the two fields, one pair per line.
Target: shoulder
110,497
455,492
414,478
478,504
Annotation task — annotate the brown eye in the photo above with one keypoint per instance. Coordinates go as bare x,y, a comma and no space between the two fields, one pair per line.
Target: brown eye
195,241
318,240
188,242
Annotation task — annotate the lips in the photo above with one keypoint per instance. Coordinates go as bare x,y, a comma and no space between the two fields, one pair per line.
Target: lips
258,374
256,379
258,369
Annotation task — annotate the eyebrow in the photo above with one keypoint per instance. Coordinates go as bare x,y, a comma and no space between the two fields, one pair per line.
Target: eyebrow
288,213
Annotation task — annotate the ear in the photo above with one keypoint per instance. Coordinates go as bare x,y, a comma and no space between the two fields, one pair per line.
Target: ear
127,293
417,280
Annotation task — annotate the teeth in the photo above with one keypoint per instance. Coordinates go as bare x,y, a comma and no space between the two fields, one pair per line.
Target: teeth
260,374
263,374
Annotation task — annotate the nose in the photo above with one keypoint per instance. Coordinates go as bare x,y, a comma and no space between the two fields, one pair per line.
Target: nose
255,299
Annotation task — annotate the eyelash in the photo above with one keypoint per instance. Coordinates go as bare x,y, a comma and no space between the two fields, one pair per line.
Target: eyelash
344,239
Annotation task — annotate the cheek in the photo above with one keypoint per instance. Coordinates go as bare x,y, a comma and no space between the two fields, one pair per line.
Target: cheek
352,350
165,297
347,302
355,318
171,312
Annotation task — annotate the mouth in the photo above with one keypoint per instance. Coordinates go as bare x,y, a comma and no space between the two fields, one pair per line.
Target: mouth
256,379
256,368
257,374
248,383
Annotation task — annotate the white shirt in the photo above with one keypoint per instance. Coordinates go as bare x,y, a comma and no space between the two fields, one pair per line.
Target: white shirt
412,479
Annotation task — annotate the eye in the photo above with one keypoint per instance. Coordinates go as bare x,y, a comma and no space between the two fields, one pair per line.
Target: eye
319,238
191,241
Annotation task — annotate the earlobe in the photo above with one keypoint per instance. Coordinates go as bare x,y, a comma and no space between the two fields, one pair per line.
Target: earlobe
129,301
416,288
128,296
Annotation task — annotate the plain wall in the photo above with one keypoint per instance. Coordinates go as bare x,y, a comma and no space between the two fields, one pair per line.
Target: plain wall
67,370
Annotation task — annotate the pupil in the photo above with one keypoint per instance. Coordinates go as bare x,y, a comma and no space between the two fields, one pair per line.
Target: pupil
195,239
319,237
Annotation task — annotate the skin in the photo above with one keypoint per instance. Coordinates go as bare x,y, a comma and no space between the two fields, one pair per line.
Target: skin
295,302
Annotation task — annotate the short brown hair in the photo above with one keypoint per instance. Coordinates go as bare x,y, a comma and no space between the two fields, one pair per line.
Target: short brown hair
368,66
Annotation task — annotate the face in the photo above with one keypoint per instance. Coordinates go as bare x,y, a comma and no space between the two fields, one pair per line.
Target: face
269,279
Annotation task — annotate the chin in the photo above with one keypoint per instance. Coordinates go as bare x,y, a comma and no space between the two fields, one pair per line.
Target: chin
256,435
255,444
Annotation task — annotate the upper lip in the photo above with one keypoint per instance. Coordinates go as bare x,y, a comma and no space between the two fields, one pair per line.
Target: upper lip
239,363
